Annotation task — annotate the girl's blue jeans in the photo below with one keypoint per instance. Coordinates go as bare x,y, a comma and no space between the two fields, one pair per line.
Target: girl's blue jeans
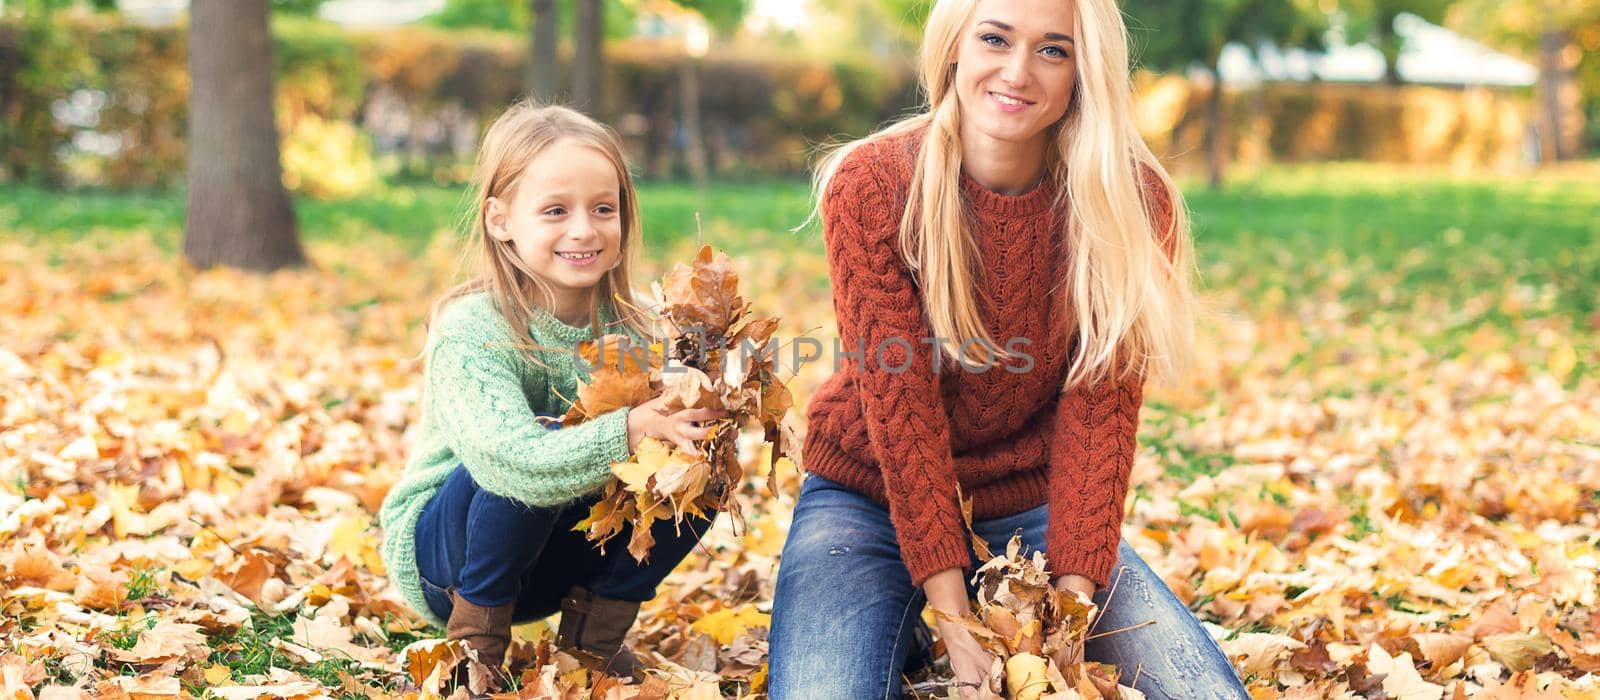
494,550
844,610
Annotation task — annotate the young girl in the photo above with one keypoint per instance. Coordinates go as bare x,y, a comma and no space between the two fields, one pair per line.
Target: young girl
1007,267
479,530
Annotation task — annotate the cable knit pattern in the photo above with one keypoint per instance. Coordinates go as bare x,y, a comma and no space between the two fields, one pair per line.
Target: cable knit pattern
1011,440
479,402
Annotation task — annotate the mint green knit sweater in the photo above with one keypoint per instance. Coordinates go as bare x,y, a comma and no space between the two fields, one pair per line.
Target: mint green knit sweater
479,400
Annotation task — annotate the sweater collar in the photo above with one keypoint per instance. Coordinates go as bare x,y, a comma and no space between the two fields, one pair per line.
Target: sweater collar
544,324
988,202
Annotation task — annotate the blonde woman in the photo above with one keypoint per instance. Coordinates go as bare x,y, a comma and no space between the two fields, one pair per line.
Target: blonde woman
1007,269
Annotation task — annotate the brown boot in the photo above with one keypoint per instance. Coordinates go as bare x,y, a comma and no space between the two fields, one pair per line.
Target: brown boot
596,626
486,630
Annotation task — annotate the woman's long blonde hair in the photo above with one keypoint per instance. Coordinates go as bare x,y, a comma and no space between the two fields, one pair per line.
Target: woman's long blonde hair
515,138
1127,286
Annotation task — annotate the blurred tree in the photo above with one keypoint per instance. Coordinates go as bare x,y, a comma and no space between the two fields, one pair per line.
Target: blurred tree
545,22
1181,33
238,212
1563,38
724,16
544,71
868,20
38,7
504,15
1372,21
588,56
297,7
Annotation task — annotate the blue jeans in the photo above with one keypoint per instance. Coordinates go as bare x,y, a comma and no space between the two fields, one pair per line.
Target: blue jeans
494,550
844,610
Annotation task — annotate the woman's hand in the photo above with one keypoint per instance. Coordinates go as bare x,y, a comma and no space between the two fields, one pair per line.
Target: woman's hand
682,427
970,662
947,593
1074,582
1070,585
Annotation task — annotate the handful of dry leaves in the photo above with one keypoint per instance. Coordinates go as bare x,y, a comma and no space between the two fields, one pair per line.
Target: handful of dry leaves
712,354
1035,632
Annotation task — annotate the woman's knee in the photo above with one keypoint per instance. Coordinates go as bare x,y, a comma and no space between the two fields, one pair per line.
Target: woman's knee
1148,632
821,652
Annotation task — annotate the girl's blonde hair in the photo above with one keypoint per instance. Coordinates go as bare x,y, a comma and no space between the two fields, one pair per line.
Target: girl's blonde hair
1127,286
515,138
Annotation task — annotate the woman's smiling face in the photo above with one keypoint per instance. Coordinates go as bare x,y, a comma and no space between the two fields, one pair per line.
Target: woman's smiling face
1015,68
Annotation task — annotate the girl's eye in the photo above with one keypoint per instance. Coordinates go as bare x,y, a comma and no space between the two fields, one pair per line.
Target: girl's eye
993,39
606,209
555,211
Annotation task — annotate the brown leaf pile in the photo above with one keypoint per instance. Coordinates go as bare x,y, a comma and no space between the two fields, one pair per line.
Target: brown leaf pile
1391,499
714,355
1035,632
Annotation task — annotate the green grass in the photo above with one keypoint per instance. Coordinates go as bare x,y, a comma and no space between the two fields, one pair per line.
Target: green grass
1379,236
1373,236
411,215
249,651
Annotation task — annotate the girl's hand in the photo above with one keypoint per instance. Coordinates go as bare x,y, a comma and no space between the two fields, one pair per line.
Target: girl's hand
682,428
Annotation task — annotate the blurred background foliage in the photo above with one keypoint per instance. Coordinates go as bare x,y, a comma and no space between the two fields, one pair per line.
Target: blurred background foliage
95,96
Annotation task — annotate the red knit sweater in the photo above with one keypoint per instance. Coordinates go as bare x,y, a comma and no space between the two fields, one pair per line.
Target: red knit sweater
1011,440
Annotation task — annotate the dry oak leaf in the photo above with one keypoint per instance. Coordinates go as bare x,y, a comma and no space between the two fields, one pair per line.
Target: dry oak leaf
704,294
1584,653
618,378
1442,649
1260,653
1400,678
166,641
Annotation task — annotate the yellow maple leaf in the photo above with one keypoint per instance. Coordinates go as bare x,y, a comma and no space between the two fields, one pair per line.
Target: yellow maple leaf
124,502
648,458
764,538
726,625
216,674
349,538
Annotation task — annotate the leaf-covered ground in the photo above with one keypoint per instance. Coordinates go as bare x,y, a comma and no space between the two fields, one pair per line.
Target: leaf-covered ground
1383,480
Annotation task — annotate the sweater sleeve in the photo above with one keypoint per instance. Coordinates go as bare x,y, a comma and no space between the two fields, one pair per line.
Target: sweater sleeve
880,313
477,394
1095,434
1096,437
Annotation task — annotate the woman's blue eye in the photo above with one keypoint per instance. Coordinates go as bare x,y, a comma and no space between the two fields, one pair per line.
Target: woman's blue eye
1057,52
993,39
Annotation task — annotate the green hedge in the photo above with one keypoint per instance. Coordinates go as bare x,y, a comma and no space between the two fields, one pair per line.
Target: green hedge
758,112
762,114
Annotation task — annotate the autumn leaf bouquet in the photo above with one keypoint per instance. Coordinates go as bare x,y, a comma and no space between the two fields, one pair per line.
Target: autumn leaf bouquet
711,352
1035,632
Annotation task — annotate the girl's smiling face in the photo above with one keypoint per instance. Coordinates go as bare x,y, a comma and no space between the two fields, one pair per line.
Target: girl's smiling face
1015,68
564,222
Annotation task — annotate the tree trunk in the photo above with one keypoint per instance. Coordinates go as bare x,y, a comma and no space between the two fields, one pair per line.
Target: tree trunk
689,104
238,212
1214,156
1389,45
1551,125
1553,77
586,88
543,71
